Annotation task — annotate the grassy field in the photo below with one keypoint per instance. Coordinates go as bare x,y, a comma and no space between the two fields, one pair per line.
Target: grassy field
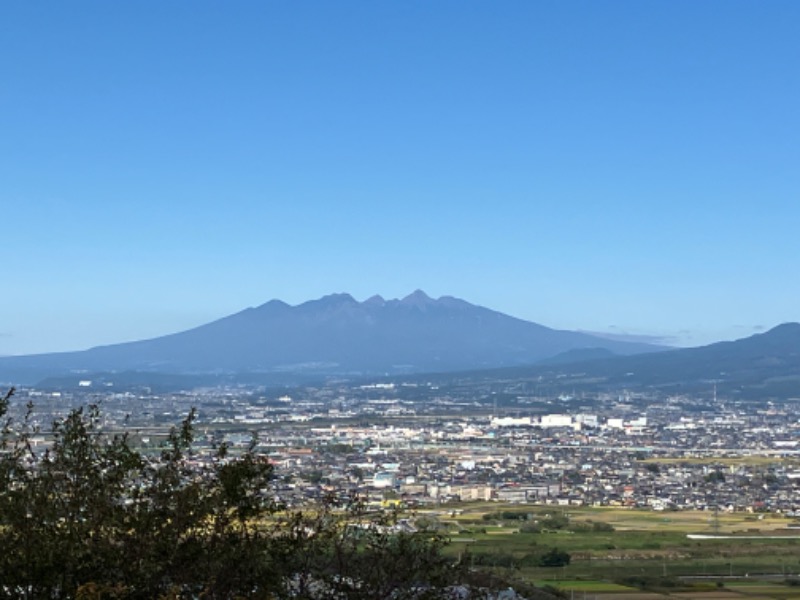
648,520
762,589
594,587
644,544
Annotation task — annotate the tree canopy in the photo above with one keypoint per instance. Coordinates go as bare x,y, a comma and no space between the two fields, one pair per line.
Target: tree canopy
92,517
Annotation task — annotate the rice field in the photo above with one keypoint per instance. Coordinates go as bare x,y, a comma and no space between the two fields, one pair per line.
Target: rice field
644,544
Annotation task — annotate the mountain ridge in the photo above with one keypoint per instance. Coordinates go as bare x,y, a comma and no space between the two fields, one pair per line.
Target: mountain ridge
758,367
334,334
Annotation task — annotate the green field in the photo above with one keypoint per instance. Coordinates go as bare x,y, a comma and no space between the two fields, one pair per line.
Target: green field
640,519
644,544
762,589
594,587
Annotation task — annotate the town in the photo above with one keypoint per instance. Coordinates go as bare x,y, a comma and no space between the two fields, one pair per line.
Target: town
425,444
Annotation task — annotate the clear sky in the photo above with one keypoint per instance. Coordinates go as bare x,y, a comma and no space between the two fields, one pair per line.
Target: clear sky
616,166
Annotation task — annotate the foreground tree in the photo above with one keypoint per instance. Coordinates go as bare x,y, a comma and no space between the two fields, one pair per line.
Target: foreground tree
91,517
93,514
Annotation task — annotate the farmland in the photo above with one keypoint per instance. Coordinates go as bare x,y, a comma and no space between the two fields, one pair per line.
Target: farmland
634,553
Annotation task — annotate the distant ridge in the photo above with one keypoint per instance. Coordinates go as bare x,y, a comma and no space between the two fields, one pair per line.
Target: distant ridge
760,367
334,335
772,353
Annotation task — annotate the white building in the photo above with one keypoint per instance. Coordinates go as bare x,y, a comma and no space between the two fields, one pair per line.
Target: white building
556,421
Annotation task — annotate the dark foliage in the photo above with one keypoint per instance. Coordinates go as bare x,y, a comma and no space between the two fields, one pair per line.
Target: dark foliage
555,558
93,518
647,582
715,477
508,515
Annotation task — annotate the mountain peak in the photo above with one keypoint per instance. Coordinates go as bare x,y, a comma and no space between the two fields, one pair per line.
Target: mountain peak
334,299
376,300
275,304
417,298
334,335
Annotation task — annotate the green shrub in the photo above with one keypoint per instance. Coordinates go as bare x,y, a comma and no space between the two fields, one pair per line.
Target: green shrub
92,517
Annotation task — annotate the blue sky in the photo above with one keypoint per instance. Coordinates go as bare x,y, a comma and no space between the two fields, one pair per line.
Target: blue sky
628,167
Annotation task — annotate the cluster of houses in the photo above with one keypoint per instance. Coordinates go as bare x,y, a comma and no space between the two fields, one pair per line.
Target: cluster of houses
651,452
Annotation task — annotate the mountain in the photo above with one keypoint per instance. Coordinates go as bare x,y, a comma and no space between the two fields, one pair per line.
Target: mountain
765,365
774,353
333,335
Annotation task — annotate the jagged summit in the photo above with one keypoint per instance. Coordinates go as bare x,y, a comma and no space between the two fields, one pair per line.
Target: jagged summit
335,335
274,304
418,299
332,299
415,298
376,300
